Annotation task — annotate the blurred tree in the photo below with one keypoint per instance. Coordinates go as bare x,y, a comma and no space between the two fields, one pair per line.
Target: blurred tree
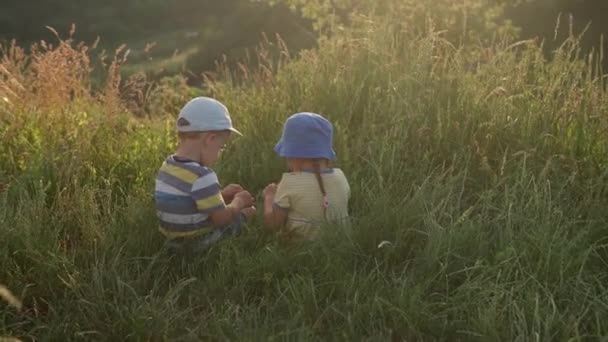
230,26
466,19
215,27
240,29
555,20
473,19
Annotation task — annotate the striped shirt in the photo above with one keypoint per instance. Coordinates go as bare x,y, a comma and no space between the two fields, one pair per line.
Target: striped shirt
186,194
299,194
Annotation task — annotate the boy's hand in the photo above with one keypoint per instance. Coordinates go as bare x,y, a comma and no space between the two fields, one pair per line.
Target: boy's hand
249,212
270,190
243,199
230,190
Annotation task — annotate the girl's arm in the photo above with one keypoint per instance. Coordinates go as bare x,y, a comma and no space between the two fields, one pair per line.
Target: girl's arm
274,217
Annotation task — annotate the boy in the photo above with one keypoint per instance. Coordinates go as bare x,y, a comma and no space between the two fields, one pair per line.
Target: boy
193,211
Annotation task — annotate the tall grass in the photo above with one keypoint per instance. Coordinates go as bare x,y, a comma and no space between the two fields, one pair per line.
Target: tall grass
479,178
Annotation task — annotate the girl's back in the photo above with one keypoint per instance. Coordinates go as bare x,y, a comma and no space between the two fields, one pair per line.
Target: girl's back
298,194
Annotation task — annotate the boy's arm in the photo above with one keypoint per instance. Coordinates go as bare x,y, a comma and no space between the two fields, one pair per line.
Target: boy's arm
207,194
222,217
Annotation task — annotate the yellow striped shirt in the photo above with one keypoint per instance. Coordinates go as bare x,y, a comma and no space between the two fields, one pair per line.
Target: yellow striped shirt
186,194
299,193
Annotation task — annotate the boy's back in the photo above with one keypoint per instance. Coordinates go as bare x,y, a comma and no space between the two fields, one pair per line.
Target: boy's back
186,193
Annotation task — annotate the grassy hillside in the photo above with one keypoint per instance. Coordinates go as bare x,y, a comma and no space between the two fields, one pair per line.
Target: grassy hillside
484,168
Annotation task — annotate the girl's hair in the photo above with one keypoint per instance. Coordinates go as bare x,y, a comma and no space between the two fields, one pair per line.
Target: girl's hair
316,164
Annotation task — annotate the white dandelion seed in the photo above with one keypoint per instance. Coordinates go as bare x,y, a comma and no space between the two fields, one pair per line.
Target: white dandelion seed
384,243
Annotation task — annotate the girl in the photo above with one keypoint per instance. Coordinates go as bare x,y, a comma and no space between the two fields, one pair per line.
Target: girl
312,192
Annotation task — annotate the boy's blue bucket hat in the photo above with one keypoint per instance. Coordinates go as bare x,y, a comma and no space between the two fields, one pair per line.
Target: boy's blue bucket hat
306,135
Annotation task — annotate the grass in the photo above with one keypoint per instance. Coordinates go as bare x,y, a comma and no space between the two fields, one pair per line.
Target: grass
484,168
173,64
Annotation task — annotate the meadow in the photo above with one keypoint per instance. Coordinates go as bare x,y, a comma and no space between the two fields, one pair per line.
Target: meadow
479,176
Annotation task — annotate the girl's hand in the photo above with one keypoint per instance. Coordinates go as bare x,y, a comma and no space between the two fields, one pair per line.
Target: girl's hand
270,190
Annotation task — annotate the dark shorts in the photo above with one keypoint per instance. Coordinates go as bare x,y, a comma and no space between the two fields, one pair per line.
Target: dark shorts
197,245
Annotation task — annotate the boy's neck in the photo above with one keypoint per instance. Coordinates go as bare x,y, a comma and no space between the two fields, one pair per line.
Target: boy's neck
184,153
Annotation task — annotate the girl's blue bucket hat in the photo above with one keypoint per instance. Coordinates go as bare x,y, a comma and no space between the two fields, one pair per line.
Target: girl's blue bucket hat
306,135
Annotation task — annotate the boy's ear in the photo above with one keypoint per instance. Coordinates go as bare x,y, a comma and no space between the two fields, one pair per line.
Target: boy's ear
219,134
208,137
